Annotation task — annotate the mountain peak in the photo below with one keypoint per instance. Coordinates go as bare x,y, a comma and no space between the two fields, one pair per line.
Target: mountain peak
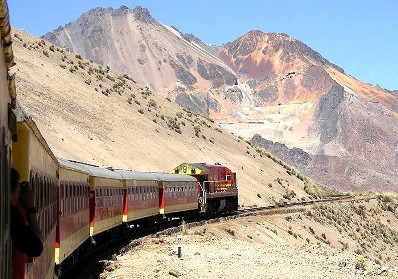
143,15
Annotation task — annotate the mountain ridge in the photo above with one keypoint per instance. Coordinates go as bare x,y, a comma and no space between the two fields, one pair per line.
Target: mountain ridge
269,84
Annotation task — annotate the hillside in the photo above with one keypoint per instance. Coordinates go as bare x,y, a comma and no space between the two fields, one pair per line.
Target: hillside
88,113
355,239
265,84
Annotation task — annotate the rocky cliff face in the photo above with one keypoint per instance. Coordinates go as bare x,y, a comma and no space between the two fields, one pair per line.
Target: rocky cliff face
342,131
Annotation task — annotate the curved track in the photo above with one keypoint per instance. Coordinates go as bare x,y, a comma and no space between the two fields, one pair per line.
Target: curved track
93,263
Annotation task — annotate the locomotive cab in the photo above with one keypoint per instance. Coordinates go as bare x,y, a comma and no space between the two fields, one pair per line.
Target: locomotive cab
219,192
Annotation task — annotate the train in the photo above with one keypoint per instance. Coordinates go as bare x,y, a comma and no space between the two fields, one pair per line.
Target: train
7,131
78,203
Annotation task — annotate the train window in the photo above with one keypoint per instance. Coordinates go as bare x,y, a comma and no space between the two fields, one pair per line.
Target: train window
107,196
74,197
51,198
51,193
112,197
37,190
62,192
70,198
77,197
65,198
67,193
70,195
46,192
41,190
33,185
80,196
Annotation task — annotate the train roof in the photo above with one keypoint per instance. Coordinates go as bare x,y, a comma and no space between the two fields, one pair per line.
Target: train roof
173,177
92,170
64,163
131,175
23,117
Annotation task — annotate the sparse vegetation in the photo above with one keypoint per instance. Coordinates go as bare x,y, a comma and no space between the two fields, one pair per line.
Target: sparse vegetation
230,231
360,263
289,194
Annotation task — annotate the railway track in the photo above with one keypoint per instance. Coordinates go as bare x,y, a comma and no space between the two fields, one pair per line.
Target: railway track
92,264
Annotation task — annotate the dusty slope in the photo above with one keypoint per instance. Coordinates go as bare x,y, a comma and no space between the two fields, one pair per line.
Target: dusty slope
351,240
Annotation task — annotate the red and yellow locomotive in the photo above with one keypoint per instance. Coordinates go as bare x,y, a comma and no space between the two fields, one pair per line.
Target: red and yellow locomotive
218,188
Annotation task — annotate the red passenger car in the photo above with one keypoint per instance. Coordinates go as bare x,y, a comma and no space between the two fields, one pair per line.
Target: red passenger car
106,197
141,195
73,210
177,194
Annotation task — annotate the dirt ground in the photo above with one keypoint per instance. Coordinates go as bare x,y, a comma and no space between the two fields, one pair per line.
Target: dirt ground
249,247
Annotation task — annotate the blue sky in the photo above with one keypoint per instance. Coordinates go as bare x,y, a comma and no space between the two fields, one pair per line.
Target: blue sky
358,35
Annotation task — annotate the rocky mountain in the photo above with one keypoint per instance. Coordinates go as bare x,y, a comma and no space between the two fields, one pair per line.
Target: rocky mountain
348,129
131,41
265,84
